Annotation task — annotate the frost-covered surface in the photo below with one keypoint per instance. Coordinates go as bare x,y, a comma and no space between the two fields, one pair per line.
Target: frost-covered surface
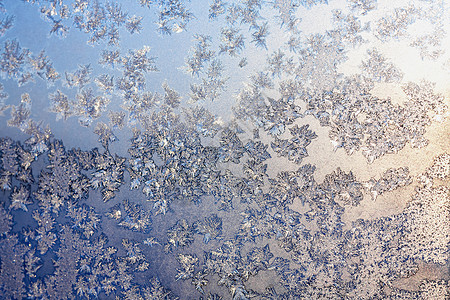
243,149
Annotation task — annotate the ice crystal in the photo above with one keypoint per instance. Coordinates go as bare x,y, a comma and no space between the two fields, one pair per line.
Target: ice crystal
43,67
231,149
201,54
205,175
377,68
188,262
209,227
134,217
171,97
389,180
13,59
259,35
232,42
84,219
212,86
6,224
108,174
12,256
133,24
6,23
20,198
362,6
295,148
106,83
89,107
344,187
203,121
216,9
105,134
429,209
61,105
62,181
173,15
395,25
180,235
80,77
440,167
